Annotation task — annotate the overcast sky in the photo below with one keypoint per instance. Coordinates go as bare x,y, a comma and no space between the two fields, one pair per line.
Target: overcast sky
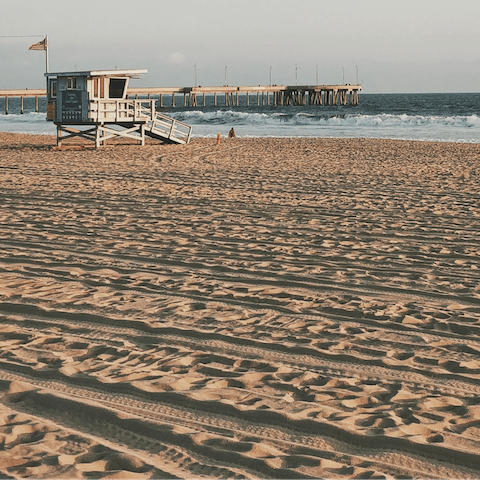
398,45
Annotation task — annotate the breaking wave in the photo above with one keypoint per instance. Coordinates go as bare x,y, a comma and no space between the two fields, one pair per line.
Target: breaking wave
454,128
220,117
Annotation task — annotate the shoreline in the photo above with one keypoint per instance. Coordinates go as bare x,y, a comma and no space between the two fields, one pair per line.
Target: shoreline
150,142
265,307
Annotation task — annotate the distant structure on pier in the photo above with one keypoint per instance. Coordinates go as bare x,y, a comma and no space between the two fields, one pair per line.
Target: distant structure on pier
96,103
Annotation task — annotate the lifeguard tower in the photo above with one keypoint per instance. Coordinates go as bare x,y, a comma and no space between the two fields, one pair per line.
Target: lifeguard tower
95,105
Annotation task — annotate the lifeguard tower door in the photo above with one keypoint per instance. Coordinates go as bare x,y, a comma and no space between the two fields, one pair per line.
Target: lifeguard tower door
51,98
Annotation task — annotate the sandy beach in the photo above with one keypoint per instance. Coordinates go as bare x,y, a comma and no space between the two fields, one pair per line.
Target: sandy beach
262,308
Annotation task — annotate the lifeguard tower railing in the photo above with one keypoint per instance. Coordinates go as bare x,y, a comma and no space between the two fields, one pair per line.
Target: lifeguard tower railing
112,110
128,118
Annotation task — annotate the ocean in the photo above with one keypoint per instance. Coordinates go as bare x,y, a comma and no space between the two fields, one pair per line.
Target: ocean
449,117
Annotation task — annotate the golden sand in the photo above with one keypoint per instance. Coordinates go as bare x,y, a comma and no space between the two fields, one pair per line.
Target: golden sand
262,308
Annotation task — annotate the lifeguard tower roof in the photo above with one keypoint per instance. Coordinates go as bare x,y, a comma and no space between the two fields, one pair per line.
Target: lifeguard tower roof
131,73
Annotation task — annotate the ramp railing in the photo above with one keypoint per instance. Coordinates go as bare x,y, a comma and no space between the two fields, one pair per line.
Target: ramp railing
125,111
170,128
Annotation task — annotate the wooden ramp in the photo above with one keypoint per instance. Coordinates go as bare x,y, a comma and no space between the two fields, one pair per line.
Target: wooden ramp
167,129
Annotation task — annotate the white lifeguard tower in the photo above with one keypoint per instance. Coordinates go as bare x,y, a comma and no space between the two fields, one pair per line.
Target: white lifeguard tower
95,105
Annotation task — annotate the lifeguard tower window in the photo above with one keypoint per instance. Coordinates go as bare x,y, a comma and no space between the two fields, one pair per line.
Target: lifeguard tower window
71,83
99,87
117,87
53,89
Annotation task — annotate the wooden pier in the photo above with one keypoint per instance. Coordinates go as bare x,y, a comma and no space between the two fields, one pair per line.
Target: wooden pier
275,95
229,96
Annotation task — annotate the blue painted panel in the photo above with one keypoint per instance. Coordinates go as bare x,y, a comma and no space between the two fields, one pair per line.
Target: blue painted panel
72,106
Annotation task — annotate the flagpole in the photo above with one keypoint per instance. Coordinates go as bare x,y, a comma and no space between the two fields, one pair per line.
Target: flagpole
46,54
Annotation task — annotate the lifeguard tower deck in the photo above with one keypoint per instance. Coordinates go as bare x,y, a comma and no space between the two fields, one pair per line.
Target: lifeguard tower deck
95,105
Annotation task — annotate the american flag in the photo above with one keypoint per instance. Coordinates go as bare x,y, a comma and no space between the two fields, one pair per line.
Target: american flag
40,45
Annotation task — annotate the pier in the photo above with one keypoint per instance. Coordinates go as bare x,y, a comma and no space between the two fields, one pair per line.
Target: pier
35,93
229,96
275,95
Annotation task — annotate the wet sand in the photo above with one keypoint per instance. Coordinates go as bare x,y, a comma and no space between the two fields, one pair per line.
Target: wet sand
262,308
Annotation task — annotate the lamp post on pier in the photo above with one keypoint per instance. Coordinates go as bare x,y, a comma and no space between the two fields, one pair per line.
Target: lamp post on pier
356,67
195,68
225,76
